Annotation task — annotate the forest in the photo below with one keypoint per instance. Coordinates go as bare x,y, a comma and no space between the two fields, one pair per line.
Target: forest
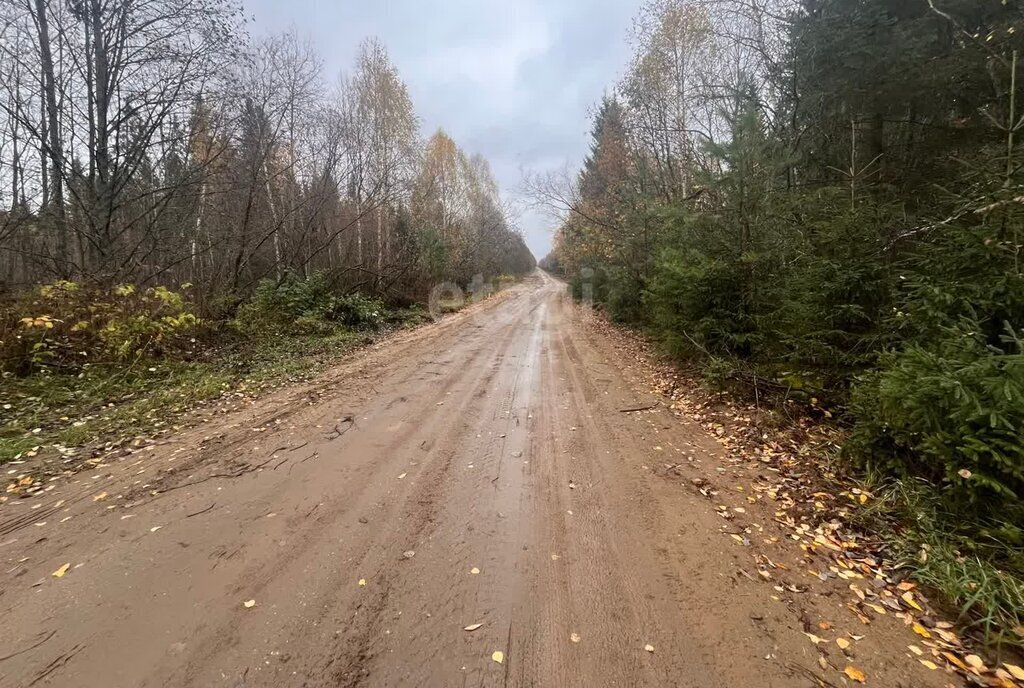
155,143
820,202
186,208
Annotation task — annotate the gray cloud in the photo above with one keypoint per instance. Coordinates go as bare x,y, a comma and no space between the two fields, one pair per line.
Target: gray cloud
514,81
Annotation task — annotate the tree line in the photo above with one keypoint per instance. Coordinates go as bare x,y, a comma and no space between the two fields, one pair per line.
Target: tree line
153,142
822,200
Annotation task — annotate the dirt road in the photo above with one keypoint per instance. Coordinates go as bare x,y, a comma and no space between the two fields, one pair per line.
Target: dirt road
476,471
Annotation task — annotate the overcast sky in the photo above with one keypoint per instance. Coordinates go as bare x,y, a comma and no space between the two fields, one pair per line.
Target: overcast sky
514,80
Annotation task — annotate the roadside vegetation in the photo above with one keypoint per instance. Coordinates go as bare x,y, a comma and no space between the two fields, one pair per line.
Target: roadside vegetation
190,214
820,205
121,364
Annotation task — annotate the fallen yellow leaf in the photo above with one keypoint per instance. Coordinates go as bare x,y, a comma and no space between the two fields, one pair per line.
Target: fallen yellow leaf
954,660
921,631
574,637
1015,671
100,497
908,597
649,648
814,639
843,643
975,661
474,570
855,674
59,573
249,604
472,627
498,656
362,582
929,664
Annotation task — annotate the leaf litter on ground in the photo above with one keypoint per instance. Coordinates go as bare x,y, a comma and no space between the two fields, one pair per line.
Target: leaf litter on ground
813,504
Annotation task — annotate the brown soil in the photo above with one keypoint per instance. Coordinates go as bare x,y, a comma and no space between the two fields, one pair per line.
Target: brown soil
494,441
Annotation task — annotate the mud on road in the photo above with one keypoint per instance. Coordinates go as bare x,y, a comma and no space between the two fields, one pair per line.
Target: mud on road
477,472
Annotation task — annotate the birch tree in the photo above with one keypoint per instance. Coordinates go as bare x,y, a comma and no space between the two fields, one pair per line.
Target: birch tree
391,127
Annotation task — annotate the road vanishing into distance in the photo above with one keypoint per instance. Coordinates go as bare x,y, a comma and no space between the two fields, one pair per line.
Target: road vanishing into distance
470,503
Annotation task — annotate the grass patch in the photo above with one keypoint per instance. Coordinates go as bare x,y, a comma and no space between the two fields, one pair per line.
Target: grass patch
114,402
981,576
82,364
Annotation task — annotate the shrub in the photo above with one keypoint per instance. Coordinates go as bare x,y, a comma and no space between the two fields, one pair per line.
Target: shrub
65,325
286,301
697,306
952,413
589,285
358,311
309,304
623,297
947,404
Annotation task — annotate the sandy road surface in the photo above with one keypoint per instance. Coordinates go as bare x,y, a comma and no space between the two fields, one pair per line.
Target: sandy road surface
494,442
